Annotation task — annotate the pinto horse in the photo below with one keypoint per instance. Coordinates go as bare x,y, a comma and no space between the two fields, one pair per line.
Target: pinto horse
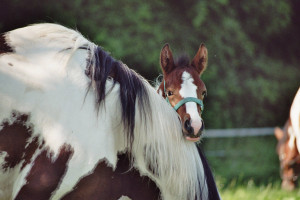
184,90
78,124
288,146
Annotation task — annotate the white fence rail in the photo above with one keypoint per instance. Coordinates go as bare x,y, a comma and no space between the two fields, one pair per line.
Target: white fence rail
238,132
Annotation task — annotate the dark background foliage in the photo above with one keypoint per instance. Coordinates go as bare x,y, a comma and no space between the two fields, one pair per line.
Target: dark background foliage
254,54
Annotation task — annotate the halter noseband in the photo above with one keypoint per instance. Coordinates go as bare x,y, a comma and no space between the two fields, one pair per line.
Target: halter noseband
185,100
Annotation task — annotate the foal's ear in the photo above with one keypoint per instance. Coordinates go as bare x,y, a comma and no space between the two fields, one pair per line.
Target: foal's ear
166,59
278,133
200,59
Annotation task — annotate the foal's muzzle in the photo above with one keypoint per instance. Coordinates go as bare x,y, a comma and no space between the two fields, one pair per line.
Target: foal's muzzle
188,130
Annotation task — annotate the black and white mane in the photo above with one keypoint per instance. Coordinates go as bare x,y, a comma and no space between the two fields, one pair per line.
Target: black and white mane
132,88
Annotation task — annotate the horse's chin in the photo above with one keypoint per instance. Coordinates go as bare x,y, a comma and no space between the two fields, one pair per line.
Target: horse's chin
192,139
191,136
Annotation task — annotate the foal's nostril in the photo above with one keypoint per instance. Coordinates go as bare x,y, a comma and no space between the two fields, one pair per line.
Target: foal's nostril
188,127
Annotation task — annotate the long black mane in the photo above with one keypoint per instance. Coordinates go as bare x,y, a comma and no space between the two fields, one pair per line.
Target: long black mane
213,193
4,47
101,67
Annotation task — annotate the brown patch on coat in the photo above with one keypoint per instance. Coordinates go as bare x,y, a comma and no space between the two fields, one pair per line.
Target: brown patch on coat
45,175
106,183
30,150
13,139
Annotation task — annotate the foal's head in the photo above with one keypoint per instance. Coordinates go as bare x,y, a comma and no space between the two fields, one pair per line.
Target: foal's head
288,156
184,90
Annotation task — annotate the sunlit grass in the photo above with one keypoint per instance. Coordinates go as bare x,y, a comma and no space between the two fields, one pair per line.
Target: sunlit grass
252,192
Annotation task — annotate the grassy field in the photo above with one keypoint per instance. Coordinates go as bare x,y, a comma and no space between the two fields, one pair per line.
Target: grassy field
269,192
246,168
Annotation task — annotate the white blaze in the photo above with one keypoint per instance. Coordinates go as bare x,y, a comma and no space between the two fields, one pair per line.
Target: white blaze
189,89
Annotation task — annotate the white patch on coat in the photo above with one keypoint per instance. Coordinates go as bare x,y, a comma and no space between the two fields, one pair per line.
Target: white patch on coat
189,89
295,118
292,138
6,179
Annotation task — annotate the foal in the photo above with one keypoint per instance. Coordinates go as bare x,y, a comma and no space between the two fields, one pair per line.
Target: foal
289,156
184,90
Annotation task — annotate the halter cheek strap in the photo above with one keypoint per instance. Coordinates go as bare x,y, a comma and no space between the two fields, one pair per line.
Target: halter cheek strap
185,100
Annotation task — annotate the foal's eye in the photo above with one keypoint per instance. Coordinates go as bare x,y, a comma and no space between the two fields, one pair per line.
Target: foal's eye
204,93
169,93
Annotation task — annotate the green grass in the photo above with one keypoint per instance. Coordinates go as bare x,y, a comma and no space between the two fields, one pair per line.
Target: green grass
268,192
246,168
